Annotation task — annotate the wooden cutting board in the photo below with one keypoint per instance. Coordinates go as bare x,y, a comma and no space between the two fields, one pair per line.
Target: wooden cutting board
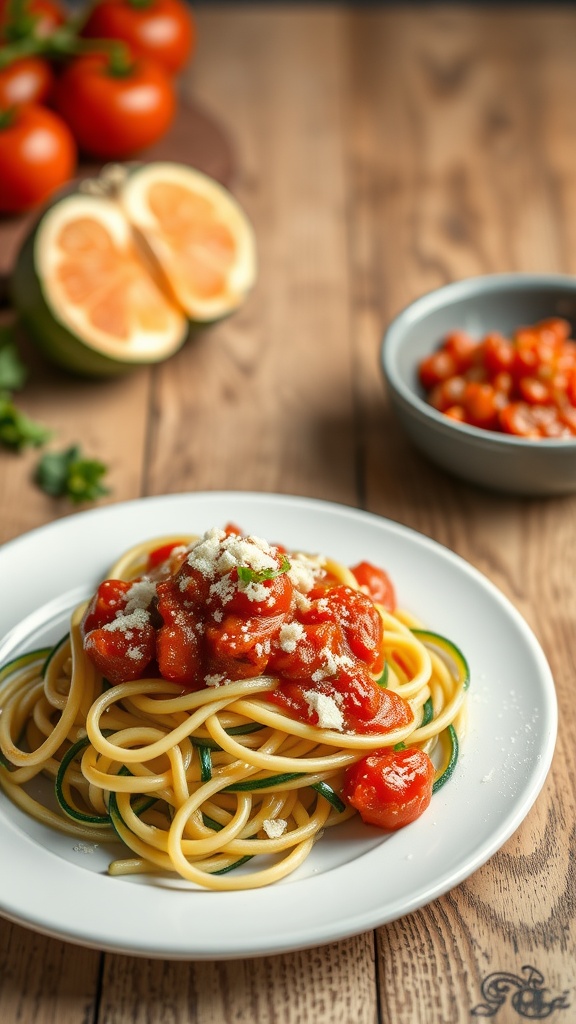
195,138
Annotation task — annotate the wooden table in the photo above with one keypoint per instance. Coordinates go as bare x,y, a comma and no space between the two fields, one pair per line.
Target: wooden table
380,153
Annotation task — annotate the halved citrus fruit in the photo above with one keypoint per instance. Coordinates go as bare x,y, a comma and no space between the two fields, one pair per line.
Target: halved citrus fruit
112,279
198,234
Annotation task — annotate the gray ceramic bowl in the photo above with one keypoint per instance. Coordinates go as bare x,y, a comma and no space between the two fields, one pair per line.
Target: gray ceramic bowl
494,302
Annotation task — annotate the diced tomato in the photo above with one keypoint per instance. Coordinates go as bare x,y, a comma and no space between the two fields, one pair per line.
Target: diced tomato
239,648
318,642
435,368
518,418
462,348
377,584
187,588
108,601
481,404
232,530
533,391
357,617
121,655
456,412
447,393
557,326
535,368
245,599
366,707
497,353
390,788
161,554
178,652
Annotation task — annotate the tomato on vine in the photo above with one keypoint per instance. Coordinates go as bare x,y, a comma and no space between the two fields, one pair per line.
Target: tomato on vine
37,156
20,19
163,30
28,80
115,106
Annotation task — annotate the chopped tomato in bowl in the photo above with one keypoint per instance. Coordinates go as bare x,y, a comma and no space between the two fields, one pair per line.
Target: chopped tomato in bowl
481,374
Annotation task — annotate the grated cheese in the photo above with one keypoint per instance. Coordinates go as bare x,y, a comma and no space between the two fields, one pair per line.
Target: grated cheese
329,714
274,827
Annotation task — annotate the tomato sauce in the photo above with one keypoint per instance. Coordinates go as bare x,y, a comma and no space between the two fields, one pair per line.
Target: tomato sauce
523,385
231,608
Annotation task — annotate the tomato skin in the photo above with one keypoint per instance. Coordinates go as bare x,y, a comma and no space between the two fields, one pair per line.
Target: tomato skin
354,612
239,648
47,14
279,593
109,599
178,653
366,707
377,583
29,80
118,656
37,156
160,30
390,788
115,115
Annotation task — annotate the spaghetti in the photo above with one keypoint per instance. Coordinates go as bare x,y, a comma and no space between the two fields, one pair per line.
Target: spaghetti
220,699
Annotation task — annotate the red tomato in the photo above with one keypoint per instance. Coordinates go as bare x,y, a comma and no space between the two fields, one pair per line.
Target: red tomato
366,707
390,788
437,367
497,352
239,648
317,642
162,554
45,15
109,599
161,30
120,655
462,348
482,404
355,614
115,111
28,80
279,593
178,653
37,156
377,583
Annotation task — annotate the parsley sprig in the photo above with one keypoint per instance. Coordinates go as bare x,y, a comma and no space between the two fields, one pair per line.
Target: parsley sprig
248,575
68,474
17,431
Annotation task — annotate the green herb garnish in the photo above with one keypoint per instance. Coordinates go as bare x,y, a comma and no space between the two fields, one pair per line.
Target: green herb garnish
248,575
18,431
68,474
13,373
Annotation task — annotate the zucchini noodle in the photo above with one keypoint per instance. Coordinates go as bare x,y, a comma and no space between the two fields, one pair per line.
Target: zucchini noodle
199,782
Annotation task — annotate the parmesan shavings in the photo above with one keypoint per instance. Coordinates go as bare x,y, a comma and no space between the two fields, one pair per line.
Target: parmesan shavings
274,827
329,714
137,619
139,596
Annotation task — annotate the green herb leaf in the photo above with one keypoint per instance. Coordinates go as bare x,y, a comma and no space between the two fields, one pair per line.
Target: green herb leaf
17,431
12,370
248,575
68,474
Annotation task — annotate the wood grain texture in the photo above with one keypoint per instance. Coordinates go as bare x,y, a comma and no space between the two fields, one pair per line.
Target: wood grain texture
380,152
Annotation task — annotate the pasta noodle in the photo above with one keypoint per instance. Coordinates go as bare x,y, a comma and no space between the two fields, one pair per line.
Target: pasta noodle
199,779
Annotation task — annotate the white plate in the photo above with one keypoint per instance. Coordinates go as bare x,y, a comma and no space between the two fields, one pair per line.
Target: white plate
356,878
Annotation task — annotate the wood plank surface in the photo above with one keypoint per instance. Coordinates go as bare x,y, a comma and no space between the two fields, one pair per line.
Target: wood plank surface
379,152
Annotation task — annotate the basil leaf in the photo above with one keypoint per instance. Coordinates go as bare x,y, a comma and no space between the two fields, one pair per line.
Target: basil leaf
248,575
